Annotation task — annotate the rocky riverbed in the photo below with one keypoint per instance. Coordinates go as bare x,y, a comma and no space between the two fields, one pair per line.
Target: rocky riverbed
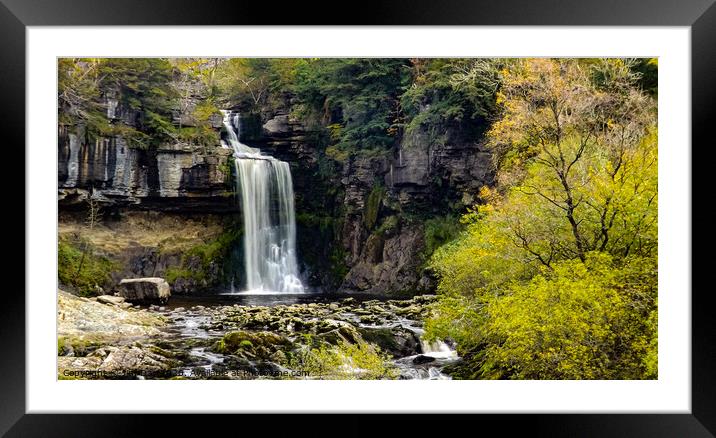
249,337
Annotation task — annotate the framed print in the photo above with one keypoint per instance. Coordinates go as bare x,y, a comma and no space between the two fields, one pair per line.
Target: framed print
482,212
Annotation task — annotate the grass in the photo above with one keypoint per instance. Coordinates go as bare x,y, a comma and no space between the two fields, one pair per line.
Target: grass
161,230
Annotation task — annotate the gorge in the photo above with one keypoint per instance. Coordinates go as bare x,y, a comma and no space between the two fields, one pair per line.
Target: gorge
261,210
358,218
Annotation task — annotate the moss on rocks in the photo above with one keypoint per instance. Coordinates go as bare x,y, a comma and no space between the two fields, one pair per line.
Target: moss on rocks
372,206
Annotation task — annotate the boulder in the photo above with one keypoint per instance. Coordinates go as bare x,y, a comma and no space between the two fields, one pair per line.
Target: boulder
421,359
396,341
277,126
145,290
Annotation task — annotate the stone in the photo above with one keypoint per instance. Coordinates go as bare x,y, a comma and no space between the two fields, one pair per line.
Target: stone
123,360
398,342
421,359
145,290
110,300
173,177
394,269
277,126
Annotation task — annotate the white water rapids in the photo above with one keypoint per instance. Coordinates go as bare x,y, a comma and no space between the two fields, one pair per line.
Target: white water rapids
266,195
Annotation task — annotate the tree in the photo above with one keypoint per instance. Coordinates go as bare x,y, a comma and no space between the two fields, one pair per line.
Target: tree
581,151
93,218
356,97
569,234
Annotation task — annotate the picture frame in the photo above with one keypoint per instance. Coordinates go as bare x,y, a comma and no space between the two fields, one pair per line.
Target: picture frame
16,15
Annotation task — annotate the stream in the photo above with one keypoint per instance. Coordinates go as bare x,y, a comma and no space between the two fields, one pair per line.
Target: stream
196,323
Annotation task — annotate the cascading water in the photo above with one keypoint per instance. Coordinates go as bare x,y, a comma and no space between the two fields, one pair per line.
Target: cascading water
266,198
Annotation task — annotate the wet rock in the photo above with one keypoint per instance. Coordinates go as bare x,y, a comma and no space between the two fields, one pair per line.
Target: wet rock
336,331
396,341
277,126
421,359
145,290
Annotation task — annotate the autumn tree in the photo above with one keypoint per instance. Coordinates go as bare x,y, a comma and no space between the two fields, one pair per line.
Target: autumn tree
576,155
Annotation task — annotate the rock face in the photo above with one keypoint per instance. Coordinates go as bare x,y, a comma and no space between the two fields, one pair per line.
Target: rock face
387,263
367,209
375,247
439,173
145,290
173,177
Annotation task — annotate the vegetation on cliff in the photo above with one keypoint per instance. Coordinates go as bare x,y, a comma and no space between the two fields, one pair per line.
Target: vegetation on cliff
363,104
136,98
81,269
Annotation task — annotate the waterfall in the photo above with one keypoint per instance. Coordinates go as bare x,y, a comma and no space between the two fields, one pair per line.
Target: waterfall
437,349
266,195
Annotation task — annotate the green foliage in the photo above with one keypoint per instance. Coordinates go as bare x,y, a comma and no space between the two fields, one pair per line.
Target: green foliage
148,91
372,206
446,91
257,81
389,225
338,267
172,274
356,97
207,254
555,277
321,222
343,361
440,230
589,332
648,69
143,85
80,269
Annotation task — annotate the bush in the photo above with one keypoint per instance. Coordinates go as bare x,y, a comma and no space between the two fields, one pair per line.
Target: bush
343,361
590,330
439,231
208,253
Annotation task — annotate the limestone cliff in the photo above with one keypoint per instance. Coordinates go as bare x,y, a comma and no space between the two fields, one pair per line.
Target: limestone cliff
173,177
361,218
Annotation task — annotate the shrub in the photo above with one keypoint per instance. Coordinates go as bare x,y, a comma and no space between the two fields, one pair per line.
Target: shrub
80,268
343,361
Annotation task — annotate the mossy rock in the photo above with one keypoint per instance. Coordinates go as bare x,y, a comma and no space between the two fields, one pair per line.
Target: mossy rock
396,342
78,346
251,345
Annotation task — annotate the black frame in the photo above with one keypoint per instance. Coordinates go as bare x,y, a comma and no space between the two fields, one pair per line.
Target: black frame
700,15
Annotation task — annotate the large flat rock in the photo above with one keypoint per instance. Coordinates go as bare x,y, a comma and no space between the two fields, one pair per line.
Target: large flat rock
145,290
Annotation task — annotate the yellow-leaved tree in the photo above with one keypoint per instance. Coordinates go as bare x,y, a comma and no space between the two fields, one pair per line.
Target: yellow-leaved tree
555,276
